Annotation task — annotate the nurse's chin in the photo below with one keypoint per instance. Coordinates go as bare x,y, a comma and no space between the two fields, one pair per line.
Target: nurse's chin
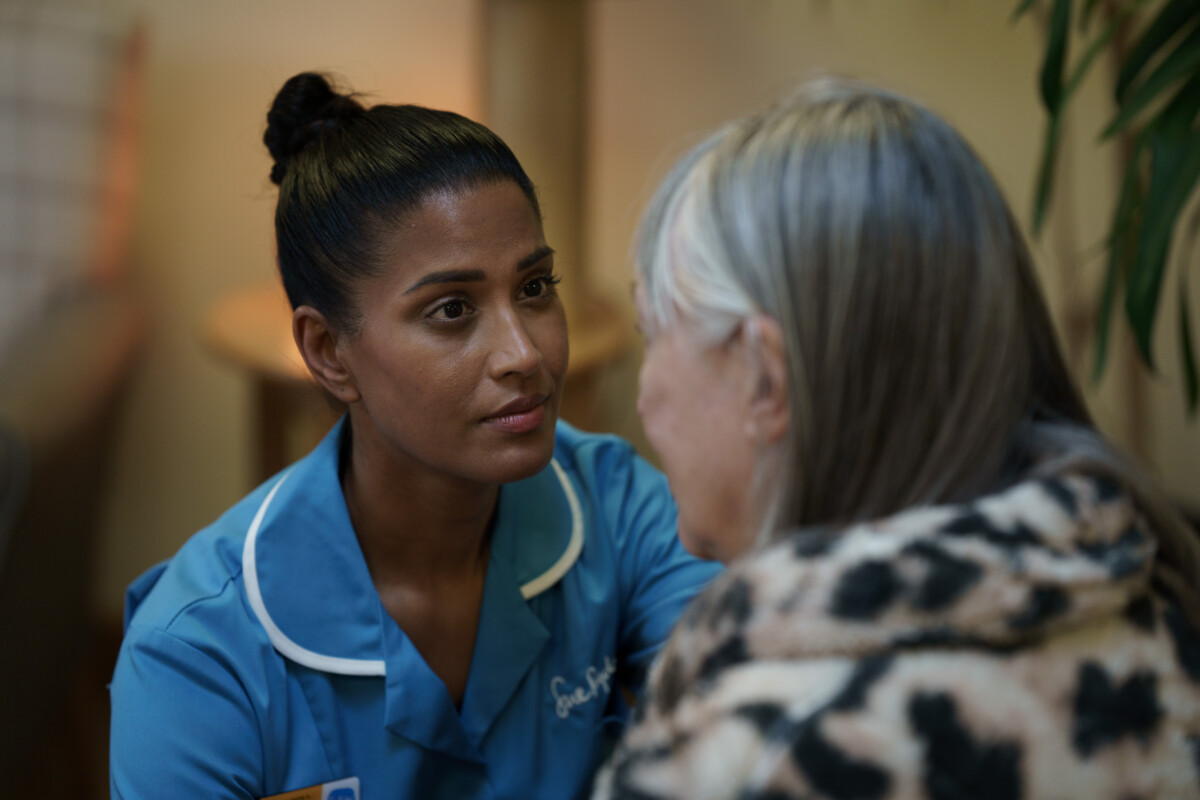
521,457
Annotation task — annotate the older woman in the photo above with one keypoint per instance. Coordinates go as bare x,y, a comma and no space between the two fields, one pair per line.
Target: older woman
945,582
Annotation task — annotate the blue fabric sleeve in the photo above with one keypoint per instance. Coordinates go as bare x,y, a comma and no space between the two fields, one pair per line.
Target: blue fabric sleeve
182,724
657,576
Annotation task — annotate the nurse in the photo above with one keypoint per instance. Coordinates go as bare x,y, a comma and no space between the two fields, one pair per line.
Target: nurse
445,598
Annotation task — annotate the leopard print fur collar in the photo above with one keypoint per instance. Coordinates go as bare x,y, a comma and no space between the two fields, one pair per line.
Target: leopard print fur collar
849,664
996,572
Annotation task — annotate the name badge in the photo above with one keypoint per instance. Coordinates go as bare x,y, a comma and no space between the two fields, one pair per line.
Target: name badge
345,789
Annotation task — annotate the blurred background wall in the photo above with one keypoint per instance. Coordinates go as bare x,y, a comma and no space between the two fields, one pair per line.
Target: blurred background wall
652,77
660,73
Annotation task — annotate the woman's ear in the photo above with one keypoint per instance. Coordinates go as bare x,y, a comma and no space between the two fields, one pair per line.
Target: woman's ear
317,342
769,410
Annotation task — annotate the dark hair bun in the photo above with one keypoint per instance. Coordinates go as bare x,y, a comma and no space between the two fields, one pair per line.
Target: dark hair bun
305,108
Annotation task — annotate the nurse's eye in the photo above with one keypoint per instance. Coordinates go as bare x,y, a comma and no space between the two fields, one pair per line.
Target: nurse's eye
540,286
450,309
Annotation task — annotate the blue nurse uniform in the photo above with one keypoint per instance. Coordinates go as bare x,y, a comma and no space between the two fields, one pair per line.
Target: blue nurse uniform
260,660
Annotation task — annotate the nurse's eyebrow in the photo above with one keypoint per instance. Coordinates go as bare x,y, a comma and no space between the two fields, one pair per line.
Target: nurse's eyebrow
534,257
448,276
473,275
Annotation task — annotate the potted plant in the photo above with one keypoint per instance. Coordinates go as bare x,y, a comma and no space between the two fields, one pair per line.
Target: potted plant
1155,45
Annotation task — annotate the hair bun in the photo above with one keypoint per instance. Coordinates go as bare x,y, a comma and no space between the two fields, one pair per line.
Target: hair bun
305,108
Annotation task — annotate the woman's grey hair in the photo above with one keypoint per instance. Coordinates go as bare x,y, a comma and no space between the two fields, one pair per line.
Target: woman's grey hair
922,364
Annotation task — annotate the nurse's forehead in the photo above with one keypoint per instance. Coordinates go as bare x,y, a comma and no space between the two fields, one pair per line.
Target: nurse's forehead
464,207
474,275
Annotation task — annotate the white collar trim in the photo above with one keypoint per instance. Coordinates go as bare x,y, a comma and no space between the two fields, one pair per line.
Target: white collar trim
559,568
286,647
376,667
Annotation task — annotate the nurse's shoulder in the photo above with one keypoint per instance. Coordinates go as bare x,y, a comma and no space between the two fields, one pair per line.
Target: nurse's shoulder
195,659
204,574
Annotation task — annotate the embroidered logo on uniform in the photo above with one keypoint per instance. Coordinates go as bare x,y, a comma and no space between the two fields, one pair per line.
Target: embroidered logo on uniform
599,684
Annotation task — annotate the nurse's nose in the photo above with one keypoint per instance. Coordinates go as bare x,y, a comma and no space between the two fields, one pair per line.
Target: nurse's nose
513,350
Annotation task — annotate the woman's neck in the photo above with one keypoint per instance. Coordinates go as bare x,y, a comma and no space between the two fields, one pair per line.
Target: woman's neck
426,540
416,527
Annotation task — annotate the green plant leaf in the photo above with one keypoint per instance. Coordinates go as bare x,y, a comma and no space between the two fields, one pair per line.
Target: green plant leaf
1096,45
1045,177
1175,168
1174,16
1177,116
1045,180
1056,55
1181,63
1094,48
1191,382
1186,243
1021,9
1191,232
1053,99
1123,231
1085,14
1124,9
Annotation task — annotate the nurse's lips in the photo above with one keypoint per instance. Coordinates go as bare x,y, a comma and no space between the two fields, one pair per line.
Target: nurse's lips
522,415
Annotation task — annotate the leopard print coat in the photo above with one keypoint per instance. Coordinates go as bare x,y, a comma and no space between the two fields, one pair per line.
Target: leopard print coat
1013,647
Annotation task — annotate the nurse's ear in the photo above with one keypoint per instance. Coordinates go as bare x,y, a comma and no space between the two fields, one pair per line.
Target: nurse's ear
317,341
